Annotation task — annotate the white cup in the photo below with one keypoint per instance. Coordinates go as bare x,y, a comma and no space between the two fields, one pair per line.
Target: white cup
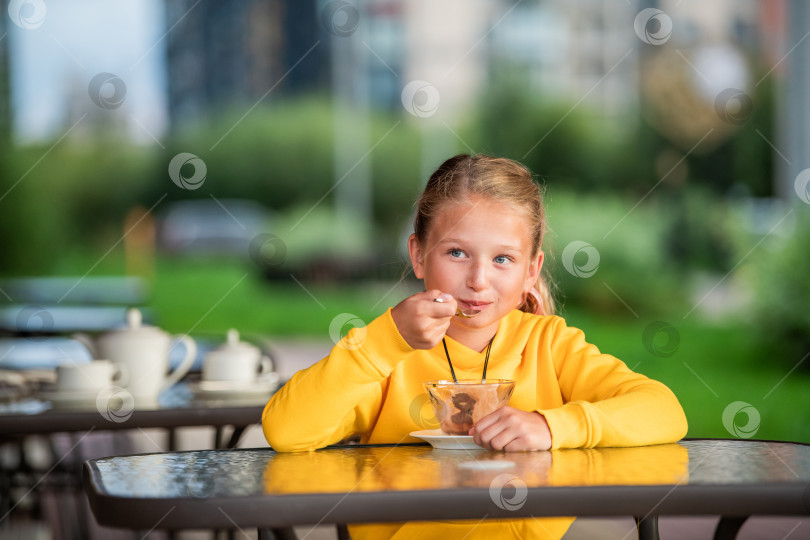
90,377
235,362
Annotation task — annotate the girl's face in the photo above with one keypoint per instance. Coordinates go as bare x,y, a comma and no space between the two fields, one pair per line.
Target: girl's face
480,252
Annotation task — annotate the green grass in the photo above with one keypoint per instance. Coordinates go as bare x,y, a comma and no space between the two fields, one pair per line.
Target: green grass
713,366
206,296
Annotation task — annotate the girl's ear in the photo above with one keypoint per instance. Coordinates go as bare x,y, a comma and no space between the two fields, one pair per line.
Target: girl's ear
415,251
534,271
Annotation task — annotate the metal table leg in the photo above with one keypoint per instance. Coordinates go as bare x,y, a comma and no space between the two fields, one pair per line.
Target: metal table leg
172,439
286,533
728,527
235,436
647,528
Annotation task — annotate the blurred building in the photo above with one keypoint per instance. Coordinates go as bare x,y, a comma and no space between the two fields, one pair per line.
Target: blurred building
366,53
235,51
573,49
561,48
228,53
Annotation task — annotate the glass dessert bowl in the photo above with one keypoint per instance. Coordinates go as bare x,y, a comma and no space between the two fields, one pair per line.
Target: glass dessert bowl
459,405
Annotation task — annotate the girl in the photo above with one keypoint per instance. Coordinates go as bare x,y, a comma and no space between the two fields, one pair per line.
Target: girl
476,244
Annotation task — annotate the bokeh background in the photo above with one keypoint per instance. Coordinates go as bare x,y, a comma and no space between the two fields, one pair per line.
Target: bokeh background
253,164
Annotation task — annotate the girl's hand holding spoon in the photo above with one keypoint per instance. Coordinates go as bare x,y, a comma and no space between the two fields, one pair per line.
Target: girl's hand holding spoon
423,319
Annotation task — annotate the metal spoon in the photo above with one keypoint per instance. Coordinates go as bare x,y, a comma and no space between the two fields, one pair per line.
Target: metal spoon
459,313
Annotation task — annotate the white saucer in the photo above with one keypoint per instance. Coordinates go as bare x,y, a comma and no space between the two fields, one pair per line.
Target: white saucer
230,390
439,439
62,397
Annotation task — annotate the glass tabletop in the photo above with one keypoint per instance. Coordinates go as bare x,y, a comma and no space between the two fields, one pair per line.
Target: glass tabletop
416,467
365,483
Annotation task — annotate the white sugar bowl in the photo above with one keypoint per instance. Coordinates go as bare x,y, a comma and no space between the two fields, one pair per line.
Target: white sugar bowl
236,361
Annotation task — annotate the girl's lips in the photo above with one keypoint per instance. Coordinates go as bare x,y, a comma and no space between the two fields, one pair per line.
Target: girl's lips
478,306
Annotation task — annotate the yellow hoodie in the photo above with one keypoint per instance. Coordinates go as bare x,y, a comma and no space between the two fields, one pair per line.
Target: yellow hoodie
371,385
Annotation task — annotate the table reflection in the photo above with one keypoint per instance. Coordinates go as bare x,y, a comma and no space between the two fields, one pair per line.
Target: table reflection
422,467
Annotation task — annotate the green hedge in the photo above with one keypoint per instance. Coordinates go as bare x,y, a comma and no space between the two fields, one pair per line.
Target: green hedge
778,271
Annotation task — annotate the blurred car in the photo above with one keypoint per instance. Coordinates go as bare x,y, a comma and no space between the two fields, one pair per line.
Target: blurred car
212,226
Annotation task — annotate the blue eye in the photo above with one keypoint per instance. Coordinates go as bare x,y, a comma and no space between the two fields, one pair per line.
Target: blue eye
456,253
502,259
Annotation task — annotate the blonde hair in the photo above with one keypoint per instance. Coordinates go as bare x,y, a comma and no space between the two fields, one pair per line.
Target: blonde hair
497,179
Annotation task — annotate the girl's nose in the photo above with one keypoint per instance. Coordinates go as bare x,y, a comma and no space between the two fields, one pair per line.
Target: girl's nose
477,278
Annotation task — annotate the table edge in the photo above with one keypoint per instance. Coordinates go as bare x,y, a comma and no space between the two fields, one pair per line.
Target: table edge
471,503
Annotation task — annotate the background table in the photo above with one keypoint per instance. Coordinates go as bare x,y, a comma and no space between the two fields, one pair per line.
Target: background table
266,490
175,408
69,433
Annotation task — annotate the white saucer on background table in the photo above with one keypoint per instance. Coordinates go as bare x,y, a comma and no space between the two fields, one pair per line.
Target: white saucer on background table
439,439
235,390
65,397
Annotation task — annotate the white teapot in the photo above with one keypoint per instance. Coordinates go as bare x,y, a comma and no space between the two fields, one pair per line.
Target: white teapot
236,362
142,352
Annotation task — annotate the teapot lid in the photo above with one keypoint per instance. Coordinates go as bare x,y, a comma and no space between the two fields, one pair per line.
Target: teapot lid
135,326
233,345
